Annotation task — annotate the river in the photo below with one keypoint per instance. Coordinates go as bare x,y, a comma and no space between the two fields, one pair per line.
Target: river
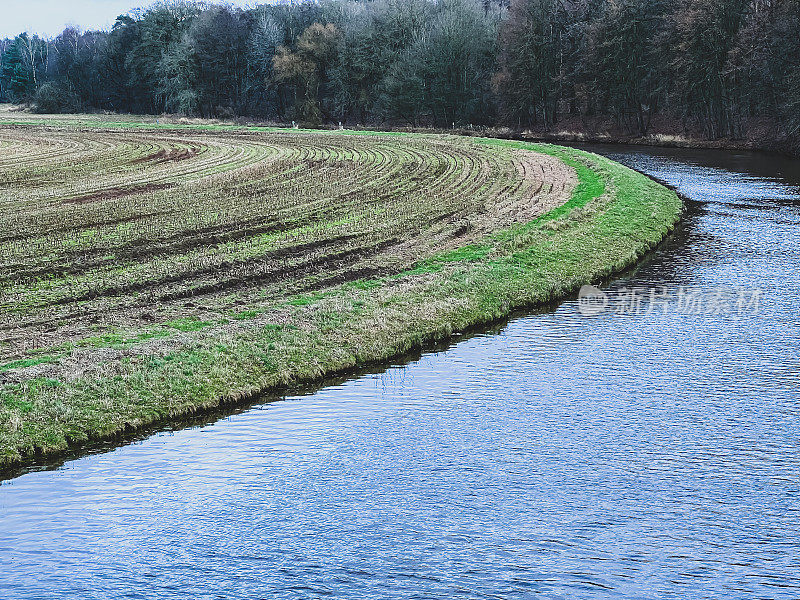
645,446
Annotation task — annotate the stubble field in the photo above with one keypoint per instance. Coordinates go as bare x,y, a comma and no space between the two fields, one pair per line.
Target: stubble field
104,233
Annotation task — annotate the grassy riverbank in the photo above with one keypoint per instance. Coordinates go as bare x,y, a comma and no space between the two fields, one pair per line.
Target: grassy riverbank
151,324
786,147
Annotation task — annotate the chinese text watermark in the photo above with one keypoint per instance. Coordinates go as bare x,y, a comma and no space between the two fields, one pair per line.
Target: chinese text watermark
663,300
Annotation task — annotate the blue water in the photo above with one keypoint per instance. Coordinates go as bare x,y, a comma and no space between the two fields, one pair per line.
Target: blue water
651,453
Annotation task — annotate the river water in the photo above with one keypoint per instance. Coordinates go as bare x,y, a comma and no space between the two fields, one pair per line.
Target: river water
647,450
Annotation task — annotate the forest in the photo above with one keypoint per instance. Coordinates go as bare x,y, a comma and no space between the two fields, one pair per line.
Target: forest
705,68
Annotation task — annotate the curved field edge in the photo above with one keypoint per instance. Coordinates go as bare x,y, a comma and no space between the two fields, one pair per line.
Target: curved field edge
614,217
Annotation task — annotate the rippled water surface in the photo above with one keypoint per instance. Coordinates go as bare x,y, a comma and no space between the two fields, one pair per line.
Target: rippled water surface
649,453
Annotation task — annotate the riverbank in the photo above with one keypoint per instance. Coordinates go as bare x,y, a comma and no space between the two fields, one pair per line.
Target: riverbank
660,140
118,385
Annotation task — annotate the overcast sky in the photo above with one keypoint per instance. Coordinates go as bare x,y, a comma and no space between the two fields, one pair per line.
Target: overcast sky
49,17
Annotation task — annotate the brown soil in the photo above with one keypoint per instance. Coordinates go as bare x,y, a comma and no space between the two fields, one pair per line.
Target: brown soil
166,155
118,192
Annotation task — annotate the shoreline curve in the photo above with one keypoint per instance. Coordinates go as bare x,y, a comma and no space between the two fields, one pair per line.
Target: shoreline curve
614,217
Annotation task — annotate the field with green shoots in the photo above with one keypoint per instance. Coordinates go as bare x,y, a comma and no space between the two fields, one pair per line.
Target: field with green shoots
150,270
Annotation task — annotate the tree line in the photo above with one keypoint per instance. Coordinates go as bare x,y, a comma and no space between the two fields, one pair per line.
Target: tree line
717,68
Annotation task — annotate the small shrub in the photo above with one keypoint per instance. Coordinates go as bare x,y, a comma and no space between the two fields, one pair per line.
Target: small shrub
56,98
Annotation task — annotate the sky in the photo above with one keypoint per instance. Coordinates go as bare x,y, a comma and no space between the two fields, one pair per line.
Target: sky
49,17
